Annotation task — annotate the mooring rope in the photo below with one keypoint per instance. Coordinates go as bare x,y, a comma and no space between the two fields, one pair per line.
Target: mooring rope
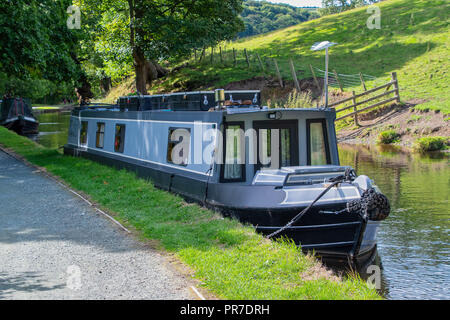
349,175
372,205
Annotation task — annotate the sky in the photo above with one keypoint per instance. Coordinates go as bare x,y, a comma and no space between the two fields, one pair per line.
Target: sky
300,3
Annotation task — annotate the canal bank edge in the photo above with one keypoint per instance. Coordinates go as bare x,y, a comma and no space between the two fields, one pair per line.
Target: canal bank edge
401,126
228,259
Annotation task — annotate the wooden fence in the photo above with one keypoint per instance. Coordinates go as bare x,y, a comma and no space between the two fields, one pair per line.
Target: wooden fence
393,83
264,64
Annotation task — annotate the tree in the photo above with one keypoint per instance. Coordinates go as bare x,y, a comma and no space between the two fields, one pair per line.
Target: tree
262,16
162,29
336,6
36,44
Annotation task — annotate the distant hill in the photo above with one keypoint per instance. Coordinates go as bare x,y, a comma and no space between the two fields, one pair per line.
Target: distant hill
262,17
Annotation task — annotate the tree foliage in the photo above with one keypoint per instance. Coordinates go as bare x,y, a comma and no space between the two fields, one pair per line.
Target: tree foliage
336,6
37,48
144,32
261,17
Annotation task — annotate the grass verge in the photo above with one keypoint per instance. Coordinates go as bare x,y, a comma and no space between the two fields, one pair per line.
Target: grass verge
230,259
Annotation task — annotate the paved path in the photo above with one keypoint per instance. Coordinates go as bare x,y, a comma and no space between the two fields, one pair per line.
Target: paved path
55,246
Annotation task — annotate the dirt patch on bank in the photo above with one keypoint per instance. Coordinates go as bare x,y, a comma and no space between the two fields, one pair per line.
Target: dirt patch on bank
408,123
271,89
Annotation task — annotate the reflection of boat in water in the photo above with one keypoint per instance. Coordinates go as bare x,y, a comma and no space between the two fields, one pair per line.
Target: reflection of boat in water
262,166
16,115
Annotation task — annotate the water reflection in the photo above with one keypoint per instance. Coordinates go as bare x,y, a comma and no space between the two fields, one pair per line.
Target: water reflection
53,128
413,241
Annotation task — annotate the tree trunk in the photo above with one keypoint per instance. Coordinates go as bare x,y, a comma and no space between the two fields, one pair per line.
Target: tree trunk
146,70
140,70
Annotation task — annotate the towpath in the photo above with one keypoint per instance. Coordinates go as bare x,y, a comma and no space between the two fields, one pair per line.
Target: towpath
53,245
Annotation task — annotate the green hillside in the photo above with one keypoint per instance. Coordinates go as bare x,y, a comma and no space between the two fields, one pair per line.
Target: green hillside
413,41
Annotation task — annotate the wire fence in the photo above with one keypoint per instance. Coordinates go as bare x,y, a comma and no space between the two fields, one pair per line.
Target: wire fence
283,69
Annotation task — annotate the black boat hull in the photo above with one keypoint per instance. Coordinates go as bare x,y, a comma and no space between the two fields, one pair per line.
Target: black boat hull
337,239
22,126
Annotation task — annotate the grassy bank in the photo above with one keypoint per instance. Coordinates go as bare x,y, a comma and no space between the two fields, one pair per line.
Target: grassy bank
413,41
229,259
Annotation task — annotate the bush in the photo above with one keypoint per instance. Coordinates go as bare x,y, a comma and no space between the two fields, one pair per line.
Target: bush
431,144
295,99
388,137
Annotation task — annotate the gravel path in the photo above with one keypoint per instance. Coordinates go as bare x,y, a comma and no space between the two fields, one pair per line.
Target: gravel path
55,246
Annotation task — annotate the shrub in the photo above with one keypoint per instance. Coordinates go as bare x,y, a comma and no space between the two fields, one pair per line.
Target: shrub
388,137
295,99
431,144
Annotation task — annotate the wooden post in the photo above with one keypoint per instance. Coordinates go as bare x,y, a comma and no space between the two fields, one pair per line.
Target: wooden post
362,81
221,57
355,116
280,79
397,91
294,75
234,57
246,58
260,62
314,76
338,81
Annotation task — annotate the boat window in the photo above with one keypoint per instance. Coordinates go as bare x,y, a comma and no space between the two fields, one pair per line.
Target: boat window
285,148
83,133
233,168
178,146
318,150
277,143
119,140
100,136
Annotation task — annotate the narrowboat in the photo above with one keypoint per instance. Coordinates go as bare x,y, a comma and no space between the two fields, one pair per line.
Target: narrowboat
16,115
276,169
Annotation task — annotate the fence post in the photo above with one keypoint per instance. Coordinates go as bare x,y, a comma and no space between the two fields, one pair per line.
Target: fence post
362,81
294,75
246,58
397,92
221,58
314,76
338,81
280,79
355,116
234,57
260,62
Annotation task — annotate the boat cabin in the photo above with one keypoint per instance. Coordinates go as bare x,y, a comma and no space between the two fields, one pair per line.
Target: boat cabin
241,136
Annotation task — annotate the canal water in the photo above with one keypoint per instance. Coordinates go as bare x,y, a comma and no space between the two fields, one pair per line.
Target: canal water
413,243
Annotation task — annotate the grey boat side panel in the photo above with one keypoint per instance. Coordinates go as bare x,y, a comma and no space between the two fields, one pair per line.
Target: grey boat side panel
145,140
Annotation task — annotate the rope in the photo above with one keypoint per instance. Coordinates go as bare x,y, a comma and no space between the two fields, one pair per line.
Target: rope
349,175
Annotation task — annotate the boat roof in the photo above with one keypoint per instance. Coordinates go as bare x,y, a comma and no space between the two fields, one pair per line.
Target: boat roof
234,102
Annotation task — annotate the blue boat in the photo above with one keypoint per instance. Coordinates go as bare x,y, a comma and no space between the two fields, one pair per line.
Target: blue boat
276,169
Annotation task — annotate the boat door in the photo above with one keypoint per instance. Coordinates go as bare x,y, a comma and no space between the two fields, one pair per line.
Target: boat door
277,143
